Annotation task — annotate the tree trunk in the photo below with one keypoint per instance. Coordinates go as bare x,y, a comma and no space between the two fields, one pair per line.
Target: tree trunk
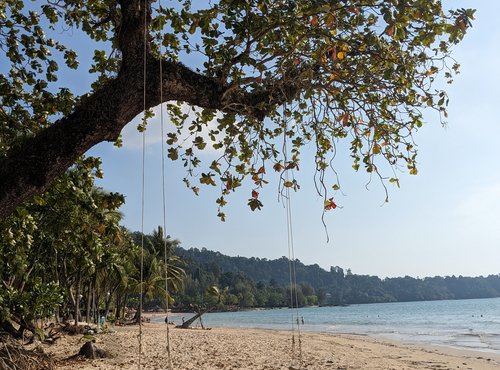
120,306
27,325
77,297
107,305
29,167
71,302
56,272
96,300
7,327
95,305
138,313
186,324
88,308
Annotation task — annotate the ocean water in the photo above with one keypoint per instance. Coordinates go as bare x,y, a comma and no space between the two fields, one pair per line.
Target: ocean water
472,324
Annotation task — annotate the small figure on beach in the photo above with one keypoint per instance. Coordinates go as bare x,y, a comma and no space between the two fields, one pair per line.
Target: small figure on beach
166,319
183,319
302,318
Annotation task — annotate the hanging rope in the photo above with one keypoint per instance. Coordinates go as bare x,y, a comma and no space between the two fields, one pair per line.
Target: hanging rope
293,284
143,186
165,246
164,202
296,352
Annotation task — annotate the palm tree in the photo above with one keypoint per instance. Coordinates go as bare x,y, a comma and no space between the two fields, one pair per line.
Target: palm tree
157,270
160,244
214,292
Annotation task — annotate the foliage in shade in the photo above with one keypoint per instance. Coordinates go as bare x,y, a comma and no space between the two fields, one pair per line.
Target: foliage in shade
65,252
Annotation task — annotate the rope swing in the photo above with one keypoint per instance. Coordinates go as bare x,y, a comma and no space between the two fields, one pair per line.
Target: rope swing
296,350
164,204
165,246
143,178
296,362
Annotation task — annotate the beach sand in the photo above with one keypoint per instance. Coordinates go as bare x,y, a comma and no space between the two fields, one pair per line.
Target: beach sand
228,348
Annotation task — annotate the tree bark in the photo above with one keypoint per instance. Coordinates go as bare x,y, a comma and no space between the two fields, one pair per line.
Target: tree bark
138,314
88,309
186,324
120,306
32,165
77,298
108,300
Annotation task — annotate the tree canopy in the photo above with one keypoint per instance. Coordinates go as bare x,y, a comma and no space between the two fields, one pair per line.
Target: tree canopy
64,255
262,79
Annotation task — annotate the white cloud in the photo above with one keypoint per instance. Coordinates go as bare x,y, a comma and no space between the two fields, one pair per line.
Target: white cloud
132,138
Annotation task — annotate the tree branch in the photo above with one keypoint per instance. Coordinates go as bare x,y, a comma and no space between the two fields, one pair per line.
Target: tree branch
30,167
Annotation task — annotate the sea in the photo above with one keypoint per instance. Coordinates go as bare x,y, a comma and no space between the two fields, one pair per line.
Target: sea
472,324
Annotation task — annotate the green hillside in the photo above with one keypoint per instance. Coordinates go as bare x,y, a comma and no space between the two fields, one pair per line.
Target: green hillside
262,282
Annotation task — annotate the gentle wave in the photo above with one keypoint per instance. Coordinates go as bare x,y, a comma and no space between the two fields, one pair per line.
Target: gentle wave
464,324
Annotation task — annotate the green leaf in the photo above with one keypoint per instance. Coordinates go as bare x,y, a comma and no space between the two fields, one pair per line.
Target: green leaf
173,154
207,179
254,204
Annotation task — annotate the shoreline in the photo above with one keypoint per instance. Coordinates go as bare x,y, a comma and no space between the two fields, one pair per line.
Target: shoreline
422,340
232,348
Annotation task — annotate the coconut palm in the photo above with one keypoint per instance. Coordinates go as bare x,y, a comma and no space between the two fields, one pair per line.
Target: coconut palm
157,270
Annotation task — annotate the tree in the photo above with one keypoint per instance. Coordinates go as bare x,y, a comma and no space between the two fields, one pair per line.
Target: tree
309,72
55,246
150,284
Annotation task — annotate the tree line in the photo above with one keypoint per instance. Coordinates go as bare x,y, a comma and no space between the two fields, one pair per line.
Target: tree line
262,282
65,256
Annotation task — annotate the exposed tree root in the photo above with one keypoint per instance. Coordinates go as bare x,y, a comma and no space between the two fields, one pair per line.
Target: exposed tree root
13,356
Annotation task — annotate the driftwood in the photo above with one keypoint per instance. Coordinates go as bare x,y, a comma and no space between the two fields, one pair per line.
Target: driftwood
186,324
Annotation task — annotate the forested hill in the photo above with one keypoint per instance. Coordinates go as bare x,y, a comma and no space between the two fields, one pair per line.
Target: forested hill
258,269
329,287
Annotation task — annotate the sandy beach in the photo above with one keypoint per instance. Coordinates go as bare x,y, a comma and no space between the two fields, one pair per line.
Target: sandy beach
227,348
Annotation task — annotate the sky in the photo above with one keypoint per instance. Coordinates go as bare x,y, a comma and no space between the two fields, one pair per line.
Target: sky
445,221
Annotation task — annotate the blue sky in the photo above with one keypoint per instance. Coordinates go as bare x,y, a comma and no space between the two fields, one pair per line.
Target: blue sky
442,222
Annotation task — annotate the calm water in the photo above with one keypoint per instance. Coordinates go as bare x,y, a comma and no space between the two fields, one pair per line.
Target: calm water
467,324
